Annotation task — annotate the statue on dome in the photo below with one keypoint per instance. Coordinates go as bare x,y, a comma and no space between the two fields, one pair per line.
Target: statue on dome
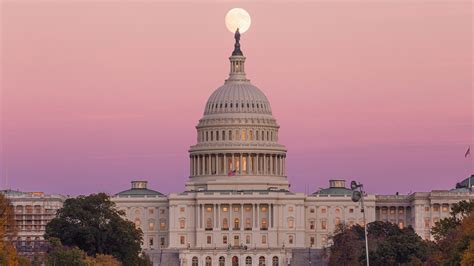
237,50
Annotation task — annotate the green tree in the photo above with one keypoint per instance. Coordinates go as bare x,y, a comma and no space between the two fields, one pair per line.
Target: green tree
60,255
94,225
388,245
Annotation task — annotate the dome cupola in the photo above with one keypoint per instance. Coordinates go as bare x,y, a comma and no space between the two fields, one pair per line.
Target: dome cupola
237,137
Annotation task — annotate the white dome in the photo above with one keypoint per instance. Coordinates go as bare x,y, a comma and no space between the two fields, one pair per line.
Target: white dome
237,97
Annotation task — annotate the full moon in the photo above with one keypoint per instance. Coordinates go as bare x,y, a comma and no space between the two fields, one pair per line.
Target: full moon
237,18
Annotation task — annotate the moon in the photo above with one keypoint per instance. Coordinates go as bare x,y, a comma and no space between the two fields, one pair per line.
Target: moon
237,18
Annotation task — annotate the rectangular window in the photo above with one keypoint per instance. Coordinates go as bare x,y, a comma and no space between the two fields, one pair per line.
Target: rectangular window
247,239
150,210
162,241
181,209
209,239
351,210
323,210
182,240
290,223
311,210
290,239
323,225
311,241
311,225
236,240
150,243
224,240
264,239
182,224
290,209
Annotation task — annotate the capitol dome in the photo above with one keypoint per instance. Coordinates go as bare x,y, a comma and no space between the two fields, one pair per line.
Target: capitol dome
237,138
237,97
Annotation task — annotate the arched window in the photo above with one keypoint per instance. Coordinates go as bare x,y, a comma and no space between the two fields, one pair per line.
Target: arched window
137,212
256,135
251,135
151,224
223,134
261,261
236,224
275,261
208,261
137,223
230,134
235,261
195,261
221,261
244,134
248,261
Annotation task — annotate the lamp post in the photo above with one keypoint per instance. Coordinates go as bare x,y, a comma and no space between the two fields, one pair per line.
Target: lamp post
358,196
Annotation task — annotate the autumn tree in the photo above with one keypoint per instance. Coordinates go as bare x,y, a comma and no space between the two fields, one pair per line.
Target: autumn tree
454,236
94,225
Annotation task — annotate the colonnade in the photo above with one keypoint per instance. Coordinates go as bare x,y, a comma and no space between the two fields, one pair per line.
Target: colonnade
237,164
261,216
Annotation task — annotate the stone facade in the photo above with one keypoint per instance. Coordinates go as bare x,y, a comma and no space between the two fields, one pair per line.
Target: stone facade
237,208
33,210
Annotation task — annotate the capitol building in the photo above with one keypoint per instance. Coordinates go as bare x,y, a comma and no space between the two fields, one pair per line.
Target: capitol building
237,208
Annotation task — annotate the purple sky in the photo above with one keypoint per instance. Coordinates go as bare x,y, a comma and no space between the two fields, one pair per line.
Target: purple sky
97,93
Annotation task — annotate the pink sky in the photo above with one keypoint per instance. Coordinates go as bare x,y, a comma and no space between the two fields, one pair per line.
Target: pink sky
97,93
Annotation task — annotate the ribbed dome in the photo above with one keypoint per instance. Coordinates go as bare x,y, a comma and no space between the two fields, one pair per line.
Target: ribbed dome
237,97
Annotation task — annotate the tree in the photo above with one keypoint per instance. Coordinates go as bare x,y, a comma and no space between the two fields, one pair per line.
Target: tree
453,235
94,225
8,254
388,245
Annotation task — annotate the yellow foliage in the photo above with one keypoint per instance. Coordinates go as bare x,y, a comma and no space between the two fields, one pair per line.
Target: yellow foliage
468,255
106,260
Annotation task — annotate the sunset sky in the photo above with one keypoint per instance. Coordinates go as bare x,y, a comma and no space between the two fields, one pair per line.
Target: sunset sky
95,94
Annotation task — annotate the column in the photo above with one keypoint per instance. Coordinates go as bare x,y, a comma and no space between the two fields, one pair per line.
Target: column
271,215
199,165
198,220
202,215
248,164
253,216
240,164
191,165
264,164
256,164
284,165
218,215
231,220
271,164
241,217
209,164
218,165
225,165
258,216
233,163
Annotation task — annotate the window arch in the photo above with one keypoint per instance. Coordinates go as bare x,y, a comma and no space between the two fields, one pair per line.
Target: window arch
195,261
137,222
236,223
151,224
208,261
235,261
248,261
221,261
261,261
275,261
